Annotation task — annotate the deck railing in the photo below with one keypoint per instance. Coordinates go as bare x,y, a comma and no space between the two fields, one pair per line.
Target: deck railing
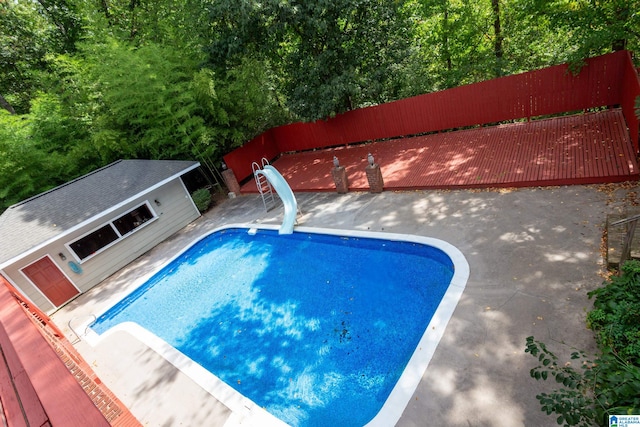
607,80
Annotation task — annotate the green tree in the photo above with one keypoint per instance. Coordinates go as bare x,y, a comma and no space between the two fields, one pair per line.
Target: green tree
498,37
16,180
592,27
25,168
30,33
22,54
145,105
177,23
531,39
331,56
454,42
238,105
64,23
155,101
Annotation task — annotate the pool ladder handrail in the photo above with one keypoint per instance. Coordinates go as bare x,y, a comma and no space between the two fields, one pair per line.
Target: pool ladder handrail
630,222
86,325
263,185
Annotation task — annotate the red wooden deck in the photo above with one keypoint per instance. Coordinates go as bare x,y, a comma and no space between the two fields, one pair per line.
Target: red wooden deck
580,149
43,379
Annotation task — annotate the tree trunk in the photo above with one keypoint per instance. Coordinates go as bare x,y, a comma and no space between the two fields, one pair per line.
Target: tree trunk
104,7
445,39
497,41
621,14
134,28
620,44
4,104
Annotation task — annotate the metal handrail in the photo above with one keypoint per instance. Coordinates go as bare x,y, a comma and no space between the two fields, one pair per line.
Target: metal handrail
626,244
78,336
263,184
625,220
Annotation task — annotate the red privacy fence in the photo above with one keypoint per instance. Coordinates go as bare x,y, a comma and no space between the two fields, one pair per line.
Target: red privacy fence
608,80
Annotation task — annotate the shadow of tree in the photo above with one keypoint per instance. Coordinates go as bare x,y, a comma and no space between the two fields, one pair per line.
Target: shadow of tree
533,255
288,323
558,150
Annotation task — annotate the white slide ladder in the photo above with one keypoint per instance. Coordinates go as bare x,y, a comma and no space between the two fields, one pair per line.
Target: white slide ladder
263,185
275,179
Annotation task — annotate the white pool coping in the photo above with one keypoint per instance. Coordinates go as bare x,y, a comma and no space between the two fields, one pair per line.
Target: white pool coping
248,413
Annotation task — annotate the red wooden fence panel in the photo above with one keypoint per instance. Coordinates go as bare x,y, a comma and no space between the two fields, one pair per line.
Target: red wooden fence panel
630,91
239,160
542,92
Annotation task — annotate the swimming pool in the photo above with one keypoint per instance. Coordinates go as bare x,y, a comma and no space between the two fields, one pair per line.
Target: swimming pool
319,327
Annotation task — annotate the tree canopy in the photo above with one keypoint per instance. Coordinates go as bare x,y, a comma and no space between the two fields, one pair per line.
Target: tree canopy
331,55
85,82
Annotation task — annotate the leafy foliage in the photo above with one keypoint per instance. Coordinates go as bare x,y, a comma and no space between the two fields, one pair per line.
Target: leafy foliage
30,33
616,314
25,168
147,105
605,386
610,383
202,199
90,82
155,102
23,52
64,27
454,42
591,27
335,55
240,104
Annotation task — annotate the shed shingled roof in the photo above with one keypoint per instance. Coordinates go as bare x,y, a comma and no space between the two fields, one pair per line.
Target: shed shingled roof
41,218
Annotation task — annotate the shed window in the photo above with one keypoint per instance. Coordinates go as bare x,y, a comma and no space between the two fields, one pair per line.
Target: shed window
107,235
94,241
133,219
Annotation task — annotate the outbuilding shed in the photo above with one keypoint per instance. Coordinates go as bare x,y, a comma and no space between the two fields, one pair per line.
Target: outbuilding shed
61,243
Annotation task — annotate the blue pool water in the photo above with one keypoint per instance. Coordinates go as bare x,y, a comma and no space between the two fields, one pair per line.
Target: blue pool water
315,328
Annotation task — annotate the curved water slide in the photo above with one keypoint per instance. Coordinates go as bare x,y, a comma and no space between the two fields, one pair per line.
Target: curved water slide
286,195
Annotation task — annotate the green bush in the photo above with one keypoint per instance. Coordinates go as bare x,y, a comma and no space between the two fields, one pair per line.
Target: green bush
615,317
610,383
595,389
202,199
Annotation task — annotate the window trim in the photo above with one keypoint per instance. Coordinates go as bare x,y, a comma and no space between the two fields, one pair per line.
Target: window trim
110,223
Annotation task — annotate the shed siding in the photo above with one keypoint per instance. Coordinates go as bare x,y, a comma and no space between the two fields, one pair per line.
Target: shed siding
176,210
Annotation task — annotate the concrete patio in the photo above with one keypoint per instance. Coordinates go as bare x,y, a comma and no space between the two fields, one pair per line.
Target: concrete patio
534,254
